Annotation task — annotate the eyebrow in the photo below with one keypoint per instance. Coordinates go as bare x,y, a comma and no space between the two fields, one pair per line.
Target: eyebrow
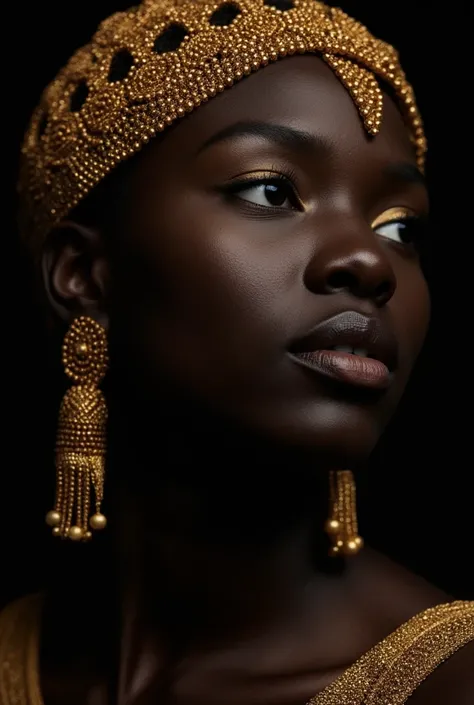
278,134
289,137
406,173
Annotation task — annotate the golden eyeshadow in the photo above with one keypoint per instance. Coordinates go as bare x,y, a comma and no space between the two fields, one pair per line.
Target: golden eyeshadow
391,215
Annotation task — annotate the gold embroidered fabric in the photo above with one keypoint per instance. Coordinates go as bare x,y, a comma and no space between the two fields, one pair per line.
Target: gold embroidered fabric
389,673
393,670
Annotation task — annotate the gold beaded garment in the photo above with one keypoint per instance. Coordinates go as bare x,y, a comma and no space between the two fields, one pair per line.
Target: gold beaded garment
388,674
147,67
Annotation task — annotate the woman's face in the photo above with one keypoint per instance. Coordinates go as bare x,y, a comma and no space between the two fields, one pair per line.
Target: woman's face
263,226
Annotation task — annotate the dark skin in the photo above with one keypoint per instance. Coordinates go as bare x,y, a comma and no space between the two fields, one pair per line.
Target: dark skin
219,591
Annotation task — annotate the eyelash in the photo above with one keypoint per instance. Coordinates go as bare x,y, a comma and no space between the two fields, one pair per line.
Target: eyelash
271,178
419,229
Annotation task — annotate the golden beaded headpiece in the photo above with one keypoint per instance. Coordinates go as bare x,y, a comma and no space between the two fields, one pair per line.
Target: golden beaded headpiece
149,66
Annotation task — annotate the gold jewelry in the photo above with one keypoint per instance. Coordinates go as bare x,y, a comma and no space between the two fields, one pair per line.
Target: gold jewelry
147,67
388,673
392,671
81,439
342,526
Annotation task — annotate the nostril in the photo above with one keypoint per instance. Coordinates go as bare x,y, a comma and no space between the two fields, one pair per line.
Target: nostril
340,279
379,290
383,291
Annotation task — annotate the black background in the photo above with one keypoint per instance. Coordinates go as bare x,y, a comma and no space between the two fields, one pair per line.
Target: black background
418,503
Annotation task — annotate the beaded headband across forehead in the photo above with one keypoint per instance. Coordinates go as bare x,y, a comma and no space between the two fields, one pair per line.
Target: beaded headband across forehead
153,64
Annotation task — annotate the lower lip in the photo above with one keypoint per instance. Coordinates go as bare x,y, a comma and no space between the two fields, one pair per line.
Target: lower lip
348,369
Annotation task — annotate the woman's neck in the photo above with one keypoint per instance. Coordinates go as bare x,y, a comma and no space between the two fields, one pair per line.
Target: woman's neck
220,563
223,564
230,526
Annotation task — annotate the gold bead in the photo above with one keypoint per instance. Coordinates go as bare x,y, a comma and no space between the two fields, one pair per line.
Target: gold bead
352,547
82,350
75,533
87,536
56,531
53,518
98,522
333,527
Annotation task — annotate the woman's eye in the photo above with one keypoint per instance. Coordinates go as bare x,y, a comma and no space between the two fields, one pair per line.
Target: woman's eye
400,225
268,193
397,231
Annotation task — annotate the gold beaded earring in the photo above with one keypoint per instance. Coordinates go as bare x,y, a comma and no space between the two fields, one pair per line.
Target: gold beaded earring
81,438
342,526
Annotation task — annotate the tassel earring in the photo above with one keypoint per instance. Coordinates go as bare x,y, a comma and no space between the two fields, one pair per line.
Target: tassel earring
81,438
342,525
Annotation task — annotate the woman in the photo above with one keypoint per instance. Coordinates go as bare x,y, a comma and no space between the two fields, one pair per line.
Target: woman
248,286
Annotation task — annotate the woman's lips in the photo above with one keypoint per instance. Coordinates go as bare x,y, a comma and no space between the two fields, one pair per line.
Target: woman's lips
352,348
347,368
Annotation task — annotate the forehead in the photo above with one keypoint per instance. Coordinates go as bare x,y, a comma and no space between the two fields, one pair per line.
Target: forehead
303,93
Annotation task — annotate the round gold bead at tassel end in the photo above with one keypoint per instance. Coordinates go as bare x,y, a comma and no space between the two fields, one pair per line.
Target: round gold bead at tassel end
333,527
347,548
352,547
53,518
98,522
75,533
56,531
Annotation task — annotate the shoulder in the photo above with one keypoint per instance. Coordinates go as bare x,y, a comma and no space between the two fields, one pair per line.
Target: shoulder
432,652
20,614
452,682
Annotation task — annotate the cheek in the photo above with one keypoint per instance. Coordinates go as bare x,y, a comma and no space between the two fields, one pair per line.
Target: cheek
411,308
205,297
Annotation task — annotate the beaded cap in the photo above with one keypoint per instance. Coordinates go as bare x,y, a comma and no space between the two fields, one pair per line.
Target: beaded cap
149,66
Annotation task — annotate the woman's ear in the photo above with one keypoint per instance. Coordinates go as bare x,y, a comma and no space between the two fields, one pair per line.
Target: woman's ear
75,272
